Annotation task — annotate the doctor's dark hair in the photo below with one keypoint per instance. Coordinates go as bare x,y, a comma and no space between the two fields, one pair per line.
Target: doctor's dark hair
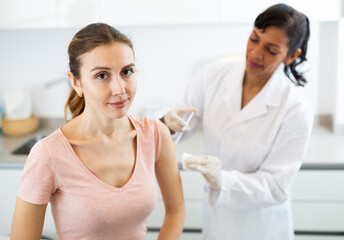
296,26
87,39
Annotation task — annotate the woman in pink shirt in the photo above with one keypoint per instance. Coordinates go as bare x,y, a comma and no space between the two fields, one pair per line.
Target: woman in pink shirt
98,171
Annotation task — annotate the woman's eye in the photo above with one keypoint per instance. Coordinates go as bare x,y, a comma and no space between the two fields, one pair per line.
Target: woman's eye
254,40
128,71
272,52
102,76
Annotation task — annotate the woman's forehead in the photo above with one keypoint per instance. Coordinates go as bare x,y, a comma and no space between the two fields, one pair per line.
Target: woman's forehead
110,54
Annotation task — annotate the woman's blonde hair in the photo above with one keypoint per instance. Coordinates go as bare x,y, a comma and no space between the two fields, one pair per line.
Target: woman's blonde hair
86,40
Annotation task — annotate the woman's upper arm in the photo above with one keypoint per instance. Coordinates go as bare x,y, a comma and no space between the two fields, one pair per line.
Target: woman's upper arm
28,220
167,174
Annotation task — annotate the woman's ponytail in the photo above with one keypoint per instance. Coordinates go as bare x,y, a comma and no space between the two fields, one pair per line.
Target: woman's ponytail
296,26
299,79
75,104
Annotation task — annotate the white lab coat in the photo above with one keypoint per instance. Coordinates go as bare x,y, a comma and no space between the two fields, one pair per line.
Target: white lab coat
261,148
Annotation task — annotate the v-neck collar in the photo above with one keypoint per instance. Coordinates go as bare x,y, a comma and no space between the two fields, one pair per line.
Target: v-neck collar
94,177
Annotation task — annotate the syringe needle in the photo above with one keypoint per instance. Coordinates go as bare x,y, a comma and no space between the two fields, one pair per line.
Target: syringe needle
184,128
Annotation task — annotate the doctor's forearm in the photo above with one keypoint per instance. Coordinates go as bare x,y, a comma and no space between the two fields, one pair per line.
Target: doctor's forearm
249,191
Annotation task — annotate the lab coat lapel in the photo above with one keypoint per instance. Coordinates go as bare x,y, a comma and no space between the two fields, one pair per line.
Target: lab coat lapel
232,85
270,95
255,108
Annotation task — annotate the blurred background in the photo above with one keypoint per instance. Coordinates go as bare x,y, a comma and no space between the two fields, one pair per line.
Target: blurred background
172,39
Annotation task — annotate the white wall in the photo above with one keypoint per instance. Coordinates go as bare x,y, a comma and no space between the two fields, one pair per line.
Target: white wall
327,69
167,57
339,106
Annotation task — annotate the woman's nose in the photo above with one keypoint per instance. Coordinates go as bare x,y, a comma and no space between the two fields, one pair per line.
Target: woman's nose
117,86
258,52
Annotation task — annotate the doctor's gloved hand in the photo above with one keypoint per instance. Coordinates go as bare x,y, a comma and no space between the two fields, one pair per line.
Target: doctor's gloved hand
174,118
209,166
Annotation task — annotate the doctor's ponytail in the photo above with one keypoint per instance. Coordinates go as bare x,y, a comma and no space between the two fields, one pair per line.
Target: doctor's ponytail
296,26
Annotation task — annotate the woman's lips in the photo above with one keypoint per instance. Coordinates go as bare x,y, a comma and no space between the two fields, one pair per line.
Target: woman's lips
118,104
254,65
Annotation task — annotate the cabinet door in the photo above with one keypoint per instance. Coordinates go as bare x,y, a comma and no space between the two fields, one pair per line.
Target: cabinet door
185,236
9,182
318,185
156,12
317,200
22,13
248,10
318,216
193,215
193,196
78,13
48,14
241,11
319,238
329,10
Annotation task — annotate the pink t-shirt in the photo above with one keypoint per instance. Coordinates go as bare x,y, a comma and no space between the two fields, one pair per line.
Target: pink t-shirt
83,206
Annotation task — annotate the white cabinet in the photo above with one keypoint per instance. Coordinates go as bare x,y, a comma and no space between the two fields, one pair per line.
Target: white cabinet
193,196
9,182
22,13
318,201
185,236
248,10
241,11
329,10
156,12
78,13
319,238
47,14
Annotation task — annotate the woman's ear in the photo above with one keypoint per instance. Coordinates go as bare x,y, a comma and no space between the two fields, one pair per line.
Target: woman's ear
291,58
74,82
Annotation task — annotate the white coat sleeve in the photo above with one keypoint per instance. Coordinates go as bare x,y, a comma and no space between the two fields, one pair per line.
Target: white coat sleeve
270,184
194,97
196,91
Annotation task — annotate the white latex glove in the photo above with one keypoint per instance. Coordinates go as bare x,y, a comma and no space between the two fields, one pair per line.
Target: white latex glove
209,166
174,118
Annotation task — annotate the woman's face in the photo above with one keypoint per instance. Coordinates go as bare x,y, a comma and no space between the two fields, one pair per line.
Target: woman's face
266,50
108,80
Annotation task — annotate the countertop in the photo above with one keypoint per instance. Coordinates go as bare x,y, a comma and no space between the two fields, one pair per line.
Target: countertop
9,144
325,151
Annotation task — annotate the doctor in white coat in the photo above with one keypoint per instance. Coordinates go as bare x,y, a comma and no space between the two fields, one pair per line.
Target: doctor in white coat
256,130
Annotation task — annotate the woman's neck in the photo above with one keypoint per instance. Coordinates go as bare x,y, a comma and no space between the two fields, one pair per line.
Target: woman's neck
254,82
251,86
92,125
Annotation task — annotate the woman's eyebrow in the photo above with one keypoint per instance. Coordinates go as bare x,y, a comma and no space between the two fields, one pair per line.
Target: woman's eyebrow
274,45
129,65
270,44
256,35
100,68
107,68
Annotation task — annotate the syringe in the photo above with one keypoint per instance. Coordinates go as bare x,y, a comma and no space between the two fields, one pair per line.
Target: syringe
184,128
